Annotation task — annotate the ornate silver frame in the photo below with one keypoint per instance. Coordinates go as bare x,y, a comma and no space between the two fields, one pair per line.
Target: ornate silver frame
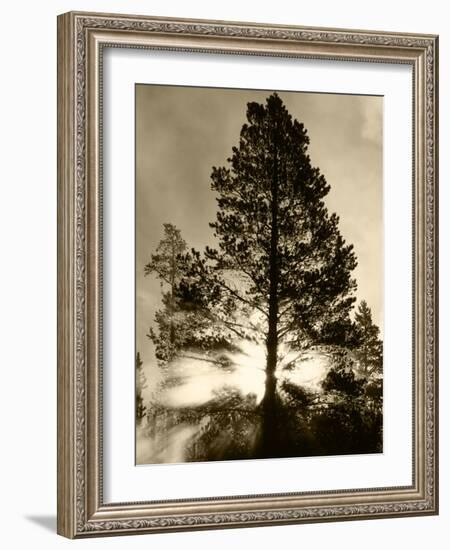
81,38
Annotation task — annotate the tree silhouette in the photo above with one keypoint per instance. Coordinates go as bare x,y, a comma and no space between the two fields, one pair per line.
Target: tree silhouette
352,421
166,263
179,324
141,384
281,273
369,353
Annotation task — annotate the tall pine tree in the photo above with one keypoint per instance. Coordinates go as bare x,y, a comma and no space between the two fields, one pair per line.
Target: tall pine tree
281,262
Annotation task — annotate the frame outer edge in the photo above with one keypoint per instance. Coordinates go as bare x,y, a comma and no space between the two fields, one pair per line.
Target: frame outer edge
66,524
435,218
75,482
436,213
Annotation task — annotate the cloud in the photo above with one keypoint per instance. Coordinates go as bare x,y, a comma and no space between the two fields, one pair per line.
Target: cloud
372,120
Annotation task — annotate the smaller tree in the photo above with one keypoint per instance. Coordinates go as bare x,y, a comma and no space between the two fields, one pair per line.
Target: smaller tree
166,263
341,377
192,317
369,353
141,384
352,420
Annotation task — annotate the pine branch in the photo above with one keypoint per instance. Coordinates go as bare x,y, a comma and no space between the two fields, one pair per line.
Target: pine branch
239,297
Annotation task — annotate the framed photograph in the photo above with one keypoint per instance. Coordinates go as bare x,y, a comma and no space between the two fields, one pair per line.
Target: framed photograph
247,276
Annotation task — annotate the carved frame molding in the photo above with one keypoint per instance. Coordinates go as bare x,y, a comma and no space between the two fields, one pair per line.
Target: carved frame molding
81,39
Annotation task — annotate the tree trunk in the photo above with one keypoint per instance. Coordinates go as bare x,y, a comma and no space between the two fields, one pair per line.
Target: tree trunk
269,429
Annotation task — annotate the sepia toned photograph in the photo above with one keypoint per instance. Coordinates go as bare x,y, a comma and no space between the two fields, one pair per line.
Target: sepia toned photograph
247,274
259,274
